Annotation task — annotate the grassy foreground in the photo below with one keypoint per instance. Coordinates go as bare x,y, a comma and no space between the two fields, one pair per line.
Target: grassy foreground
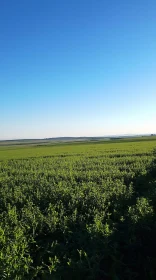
78,211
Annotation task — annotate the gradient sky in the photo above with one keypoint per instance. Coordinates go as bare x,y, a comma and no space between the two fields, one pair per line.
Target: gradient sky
77,68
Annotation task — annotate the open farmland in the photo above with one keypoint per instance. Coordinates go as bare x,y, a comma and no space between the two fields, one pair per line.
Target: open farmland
78,211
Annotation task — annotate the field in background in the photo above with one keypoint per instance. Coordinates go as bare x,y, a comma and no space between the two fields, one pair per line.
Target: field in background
26,148
78,210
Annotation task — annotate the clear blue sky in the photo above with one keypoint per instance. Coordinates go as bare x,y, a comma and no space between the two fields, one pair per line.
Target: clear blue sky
77,68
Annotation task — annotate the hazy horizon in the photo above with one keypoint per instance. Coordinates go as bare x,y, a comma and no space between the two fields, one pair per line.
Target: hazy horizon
77,68
76,137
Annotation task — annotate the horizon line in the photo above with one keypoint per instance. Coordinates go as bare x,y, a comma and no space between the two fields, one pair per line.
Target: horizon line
61,137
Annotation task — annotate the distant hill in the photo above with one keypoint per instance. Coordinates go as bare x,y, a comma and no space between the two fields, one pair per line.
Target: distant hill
56,140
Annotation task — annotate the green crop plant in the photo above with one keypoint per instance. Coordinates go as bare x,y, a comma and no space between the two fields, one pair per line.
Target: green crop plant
78,211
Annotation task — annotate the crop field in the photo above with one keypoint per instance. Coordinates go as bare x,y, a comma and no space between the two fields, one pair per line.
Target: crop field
78,211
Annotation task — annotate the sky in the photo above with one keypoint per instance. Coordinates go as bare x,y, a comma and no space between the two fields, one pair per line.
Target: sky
77,68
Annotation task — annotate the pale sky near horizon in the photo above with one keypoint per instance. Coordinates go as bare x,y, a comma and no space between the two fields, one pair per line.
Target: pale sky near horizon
77,68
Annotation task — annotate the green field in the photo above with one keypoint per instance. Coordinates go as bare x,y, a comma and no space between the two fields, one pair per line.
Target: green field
78,210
